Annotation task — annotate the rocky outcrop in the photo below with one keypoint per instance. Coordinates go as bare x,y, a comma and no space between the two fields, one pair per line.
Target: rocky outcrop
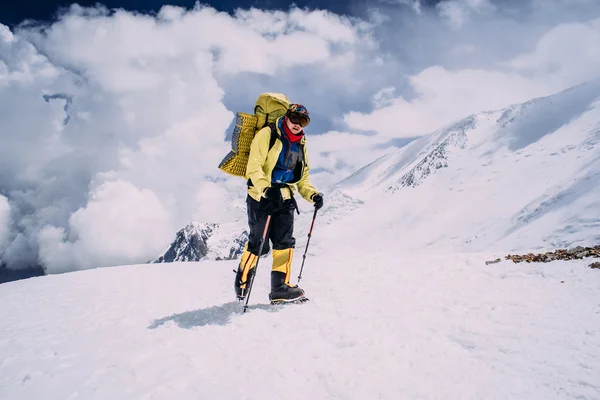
576,253
437,157
204,241
189,244
237,247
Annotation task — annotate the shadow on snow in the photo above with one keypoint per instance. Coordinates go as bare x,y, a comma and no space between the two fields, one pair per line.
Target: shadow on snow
216,315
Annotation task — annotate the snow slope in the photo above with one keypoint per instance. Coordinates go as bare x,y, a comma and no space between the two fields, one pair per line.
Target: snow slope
385,326
526,177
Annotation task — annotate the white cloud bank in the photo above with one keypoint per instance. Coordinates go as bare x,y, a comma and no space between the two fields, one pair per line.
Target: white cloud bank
113,122
119,223
565,56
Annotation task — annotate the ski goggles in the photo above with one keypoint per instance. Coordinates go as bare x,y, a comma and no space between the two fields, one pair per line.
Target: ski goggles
298,119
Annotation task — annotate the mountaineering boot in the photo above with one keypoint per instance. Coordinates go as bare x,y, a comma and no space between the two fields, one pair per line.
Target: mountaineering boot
244,274
282,291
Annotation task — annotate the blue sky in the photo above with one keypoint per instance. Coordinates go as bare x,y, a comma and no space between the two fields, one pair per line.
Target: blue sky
114,121
15,12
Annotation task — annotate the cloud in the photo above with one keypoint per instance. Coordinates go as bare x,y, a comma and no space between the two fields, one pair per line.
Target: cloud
568,53
442,96
384,97
119,224
4,222
114,124
125,51
414,4
564,56
456,12
339,154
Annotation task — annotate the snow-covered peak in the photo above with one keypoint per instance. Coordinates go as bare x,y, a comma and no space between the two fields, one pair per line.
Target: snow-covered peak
525,177
200,240
189,243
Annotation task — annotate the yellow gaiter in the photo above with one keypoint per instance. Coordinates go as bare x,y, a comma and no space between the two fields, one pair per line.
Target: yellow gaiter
247,262
282,262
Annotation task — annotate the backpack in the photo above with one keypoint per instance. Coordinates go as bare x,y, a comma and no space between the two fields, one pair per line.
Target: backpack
268,107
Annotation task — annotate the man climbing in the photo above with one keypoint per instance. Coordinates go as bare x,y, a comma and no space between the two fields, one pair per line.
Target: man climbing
275,169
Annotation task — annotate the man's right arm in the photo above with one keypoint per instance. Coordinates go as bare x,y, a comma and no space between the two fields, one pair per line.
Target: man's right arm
259,149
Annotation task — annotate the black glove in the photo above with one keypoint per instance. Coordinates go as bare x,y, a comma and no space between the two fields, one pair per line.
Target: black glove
273,194
318,199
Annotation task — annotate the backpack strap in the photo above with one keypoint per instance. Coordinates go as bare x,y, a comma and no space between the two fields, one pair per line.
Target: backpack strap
273,135
273,130
266,120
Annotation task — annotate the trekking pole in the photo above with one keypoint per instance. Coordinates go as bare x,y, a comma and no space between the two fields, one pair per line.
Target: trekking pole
307,242
262,242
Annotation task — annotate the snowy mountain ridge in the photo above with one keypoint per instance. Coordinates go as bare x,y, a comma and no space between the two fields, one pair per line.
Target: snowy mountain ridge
522,178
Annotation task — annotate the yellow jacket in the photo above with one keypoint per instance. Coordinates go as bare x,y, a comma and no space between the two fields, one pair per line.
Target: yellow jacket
262,161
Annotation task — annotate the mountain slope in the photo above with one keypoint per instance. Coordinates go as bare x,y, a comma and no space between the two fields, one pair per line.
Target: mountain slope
526,177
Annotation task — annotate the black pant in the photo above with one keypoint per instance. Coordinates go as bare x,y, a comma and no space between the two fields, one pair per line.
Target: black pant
281,227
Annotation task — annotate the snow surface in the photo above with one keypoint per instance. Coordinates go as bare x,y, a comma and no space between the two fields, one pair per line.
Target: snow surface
379,326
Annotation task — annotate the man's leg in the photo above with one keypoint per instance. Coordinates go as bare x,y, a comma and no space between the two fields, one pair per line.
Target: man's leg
282,236
257,218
